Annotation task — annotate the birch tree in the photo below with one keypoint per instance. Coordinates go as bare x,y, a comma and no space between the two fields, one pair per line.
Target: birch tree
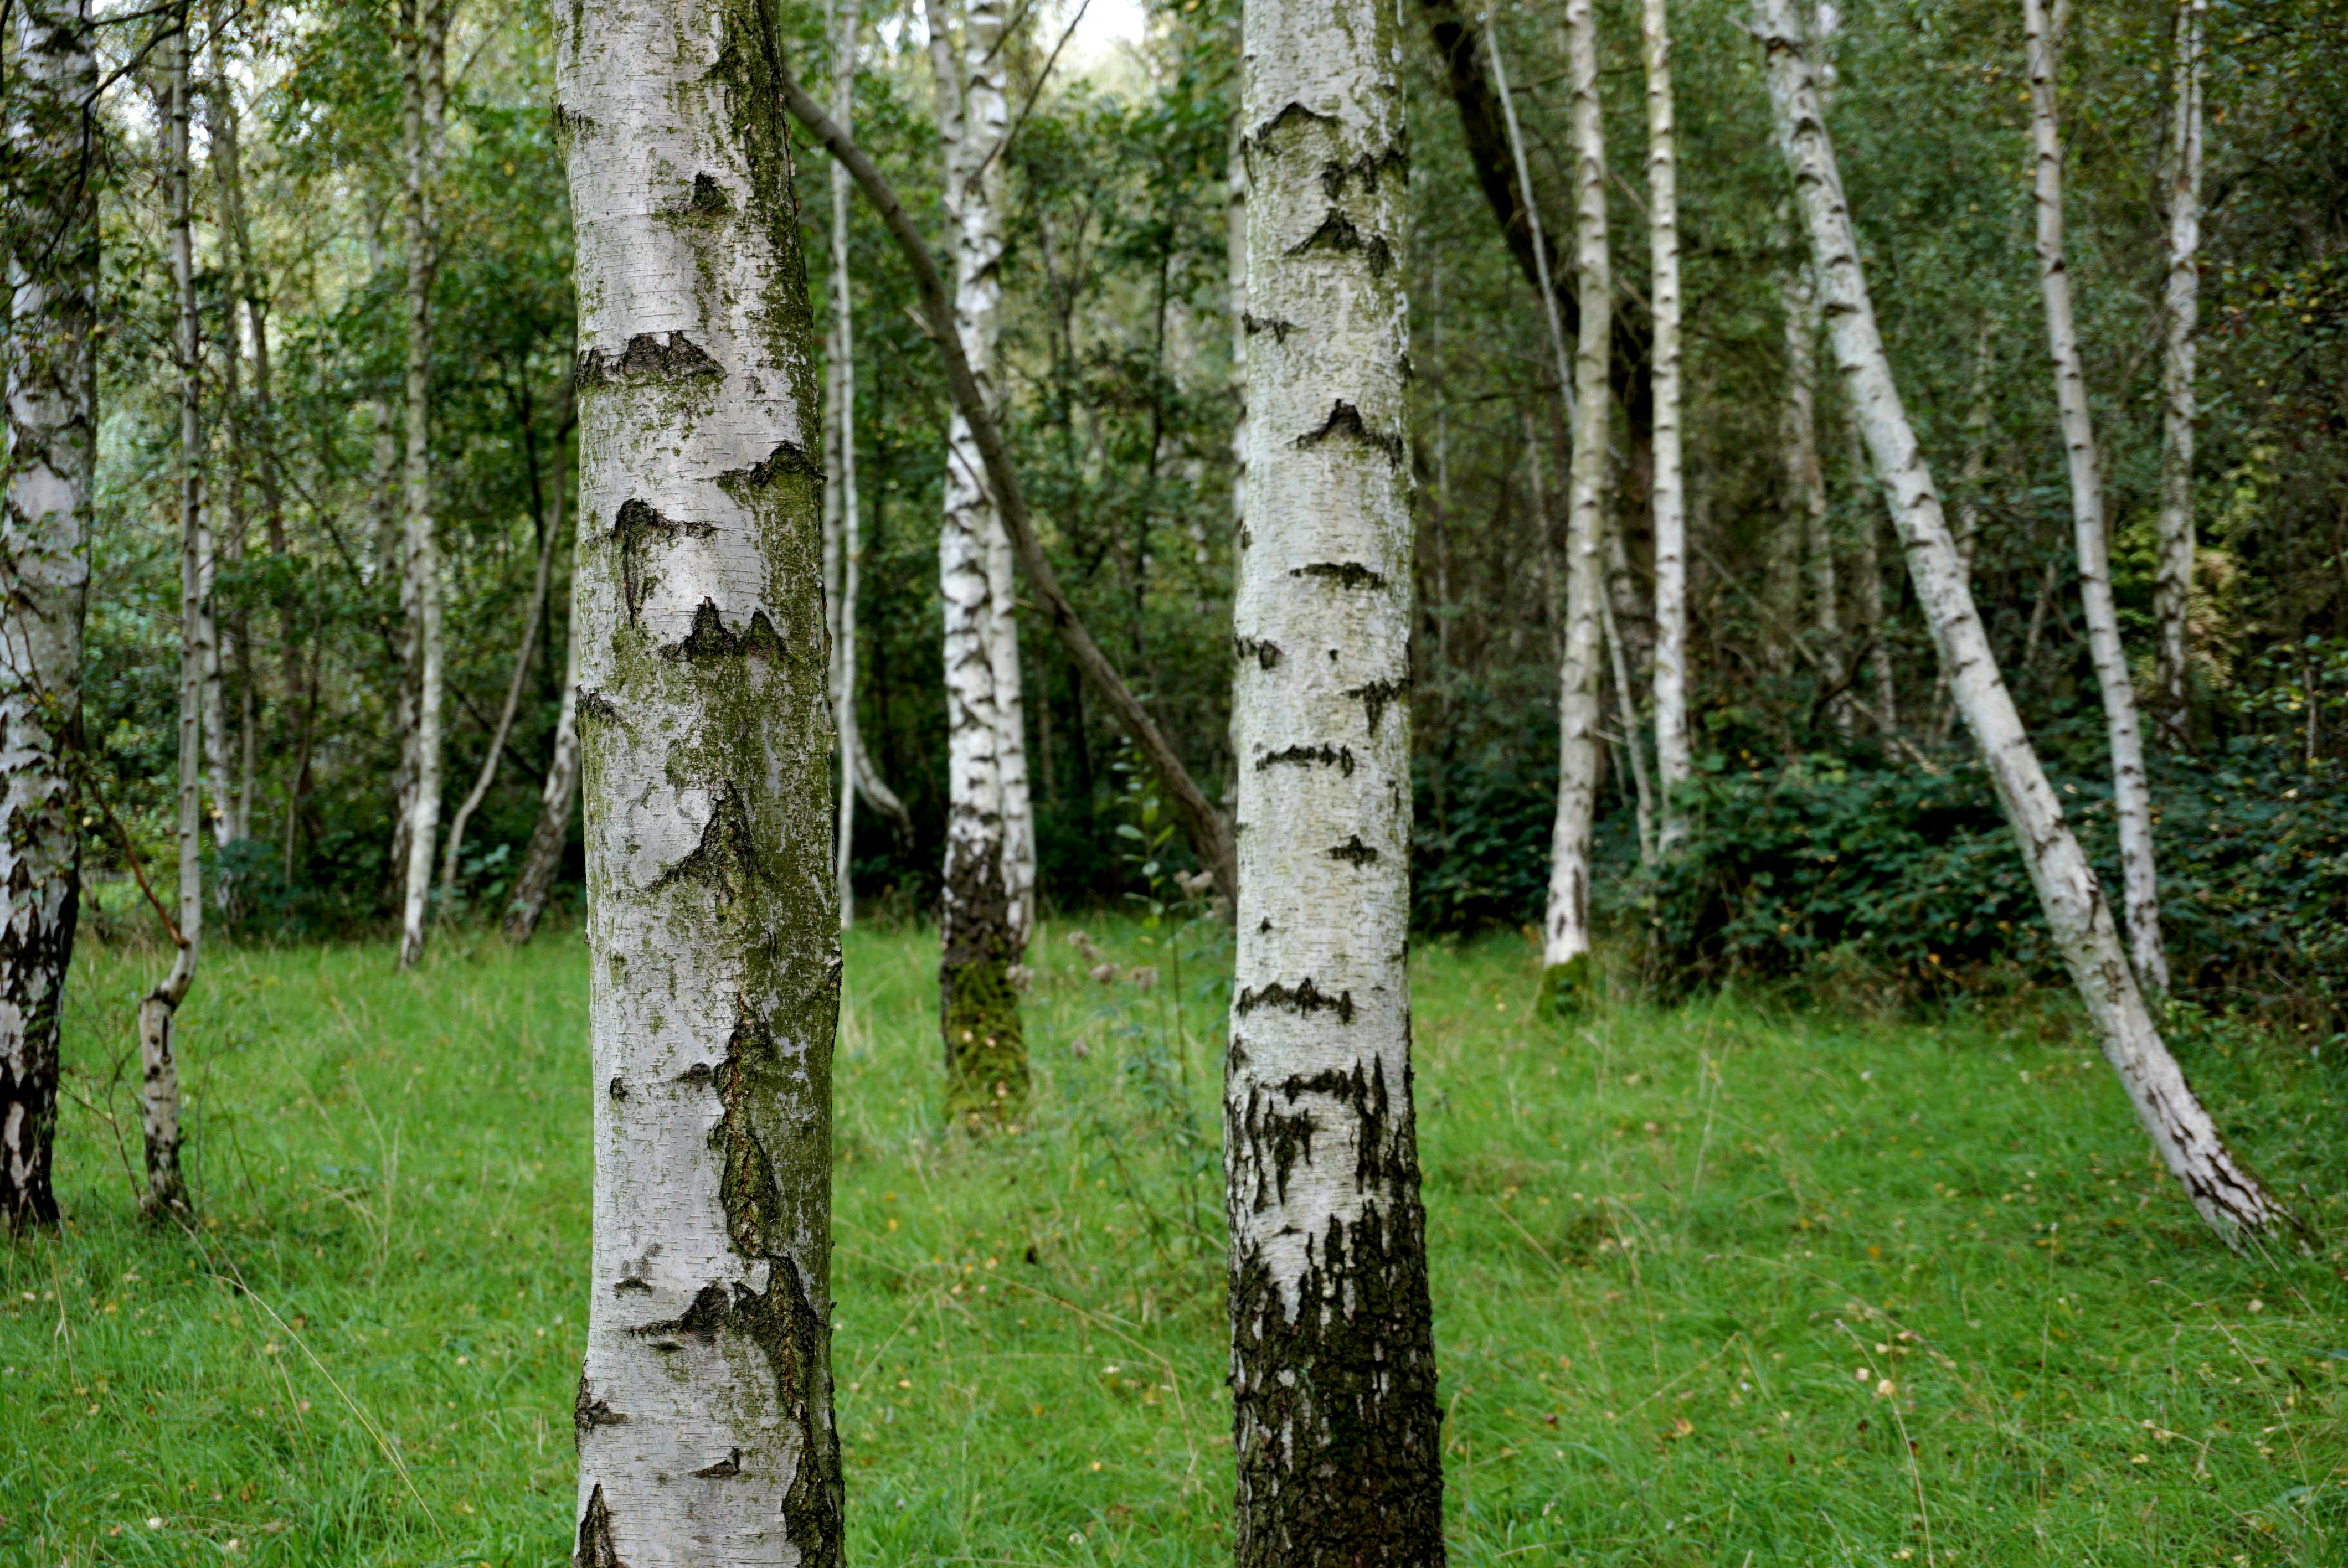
2131,790
1673,764
422,37
1335,1424
52,394
1806,486
166,1188
1565,945
2180,318
843,556
981,924
703,1411
2227,1195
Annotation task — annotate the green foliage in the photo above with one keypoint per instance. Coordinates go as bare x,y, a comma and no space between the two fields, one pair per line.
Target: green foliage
1675,1256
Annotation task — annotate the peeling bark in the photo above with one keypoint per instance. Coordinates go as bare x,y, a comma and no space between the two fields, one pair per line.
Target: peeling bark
2131,789
52,409
1337,1425
2232,1200
2172,592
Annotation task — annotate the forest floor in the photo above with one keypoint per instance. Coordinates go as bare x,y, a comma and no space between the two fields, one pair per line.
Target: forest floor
1728,1284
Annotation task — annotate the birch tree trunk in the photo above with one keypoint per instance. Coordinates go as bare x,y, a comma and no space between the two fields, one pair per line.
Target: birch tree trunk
423,35
2227,1196
980,922
1806,484
2181,317
157,1050
840,499
1673,763
2131,790
543,860
1335,1421
705,1409
1873,617
44,579
1565,945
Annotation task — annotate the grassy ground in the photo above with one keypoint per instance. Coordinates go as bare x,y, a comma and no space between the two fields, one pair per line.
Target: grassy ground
1721,1284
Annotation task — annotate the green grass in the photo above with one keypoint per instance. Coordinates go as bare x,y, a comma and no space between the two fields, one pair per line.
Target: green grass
1677,1255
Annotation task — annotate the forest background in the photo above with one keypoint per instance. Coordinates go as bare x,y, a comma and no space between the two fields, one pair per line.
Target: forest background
1865,850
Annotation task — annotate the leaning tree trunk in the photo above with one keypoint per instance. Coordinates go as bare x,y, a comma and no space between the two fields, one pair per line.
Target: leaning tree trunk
840,499
423,35
705,1409
979,924
1565,932
2180,317
2131,790
44,577
2231,1199
1336,1427
1673,764
166,1190
543,860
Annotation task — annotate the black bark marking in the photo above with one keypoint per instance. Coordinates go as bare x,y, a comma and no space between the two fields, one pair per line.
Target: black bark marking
1344,574
708,198
979,1022
637,529
36,954
1292,114
1264,651
1353,851
619,1089
1283,1137
1338,757
700,1326
730,1465
1278,328
568,121
726,857
785,460
1368,169
711,639
595,1548
1345,420
1337,232
597,706
1336,1422
1377,695
646,358
1304,997
631,1282
587,1412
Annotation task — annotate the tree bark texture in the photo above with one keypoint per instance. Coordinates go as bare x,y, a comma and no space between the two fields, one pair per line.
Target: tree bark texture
1673,756
166,1189
704,1409
2228,1195
423,27
2131,789
979,925
843,569
2172,593
1335,1421
1565,930
44,577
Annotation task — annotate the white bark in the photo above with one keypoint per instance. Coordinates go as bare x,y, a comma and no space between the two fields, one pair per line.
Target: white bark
424,26
2227,1195
1333,1358
220,764
2131,790
52,411
157,1048
2180,319
840,499
1872,619
1673,764
1565,942
704,1411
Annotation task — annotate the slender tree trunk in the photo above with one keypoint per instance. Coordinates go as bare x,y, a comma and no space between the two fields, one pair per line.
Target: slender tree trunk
2181,317
1565,945
840,505
1626,704
1806,483
704,1409
44,577
1235,253
424,33
1673,764
981,927
1335,1420
2227,1196
1872,616
2131,790
157,1048
520,678
543,860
